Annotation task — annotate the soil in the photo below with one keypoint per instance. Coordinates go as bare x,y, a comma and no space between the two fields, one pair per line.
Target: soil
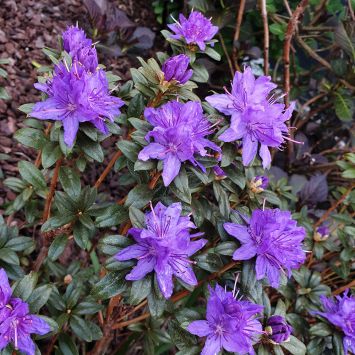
26,26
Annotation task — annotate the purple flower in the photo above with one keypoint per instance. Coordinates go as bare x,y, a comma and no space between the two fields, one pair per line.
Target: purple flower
179,133
321,234
278,329
175,68
341,313
230,324
259,183
274,238
77,96
16,324
80,47
74,38
256,118
219,172
197,29
163,246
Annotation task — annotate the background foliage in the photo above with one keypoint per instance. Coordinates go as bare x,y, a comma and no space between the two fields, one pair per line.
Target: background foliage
61,259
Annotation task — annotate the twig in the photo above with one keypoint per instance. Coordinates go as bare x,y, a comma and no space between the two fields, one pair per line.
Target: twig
266,36
334,206
230,64
107,169
237,33
343,288
47,206
351,10
291,28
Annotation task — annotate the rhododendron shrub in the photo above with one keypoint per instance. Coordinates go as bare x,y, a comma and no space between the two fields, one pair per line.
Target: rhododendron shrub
198,249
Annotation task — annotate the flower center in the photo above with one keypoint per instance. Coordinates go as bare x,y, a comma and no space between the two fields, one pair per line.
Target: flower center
71,107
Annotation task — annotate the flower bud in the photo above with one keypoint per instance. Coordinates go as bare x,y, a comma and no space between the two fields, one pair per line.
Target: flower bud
321,234
175,68
218,171
278,330
259,184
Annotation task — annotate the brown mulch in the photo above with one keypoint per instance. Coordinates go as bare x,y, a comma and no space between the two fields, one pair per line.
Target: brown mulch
26,26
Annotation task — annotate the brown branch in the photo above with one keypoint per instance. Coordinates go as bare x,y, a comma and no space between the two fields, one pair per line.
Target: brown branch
39,155
48,203
266,36
107,169
239,20
343,288
230,63
334,206
291,28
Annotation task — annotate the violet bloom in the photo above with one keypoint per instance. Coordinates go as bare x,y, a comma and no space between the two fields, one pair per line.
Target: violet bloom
175,68
163,246
197,29
80,47
341,313
179,133
230,324
256,118
76,96
259,184
16,324
278,329
274,238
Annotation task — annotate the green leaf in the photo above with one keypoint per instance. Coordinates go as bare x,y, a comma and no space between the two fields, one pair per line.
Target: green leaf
321,330
25,286
139,196
137,217
111,285
81,235
87,307
294,346
212,53
129,149
344,107
20,243
84,329
140,290
222,199
70,182
226,248
30,137
26,108
57,247
4,95
9,256
32,175
136,106
56,222
67,345
200,73
92,149
181,186
156,301
39,298
113,216
50,154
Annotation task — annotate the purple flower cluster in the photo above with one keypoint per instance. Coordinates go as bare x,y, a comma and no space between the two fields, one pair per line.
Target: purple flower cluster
274,238
179,133
230,324
76,93
341,313
175,68
278,329
163,246
16,323
256,117
197,29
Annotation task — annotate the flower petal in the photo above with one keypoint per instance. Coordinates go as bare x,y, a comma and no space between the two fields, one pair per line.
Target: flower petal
36,325
5,289
222,103
131,252
265,156
250,146
199,328
165,279
143,267
48,110
153,151
238,231
171,168
212,346
245,252
71,126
